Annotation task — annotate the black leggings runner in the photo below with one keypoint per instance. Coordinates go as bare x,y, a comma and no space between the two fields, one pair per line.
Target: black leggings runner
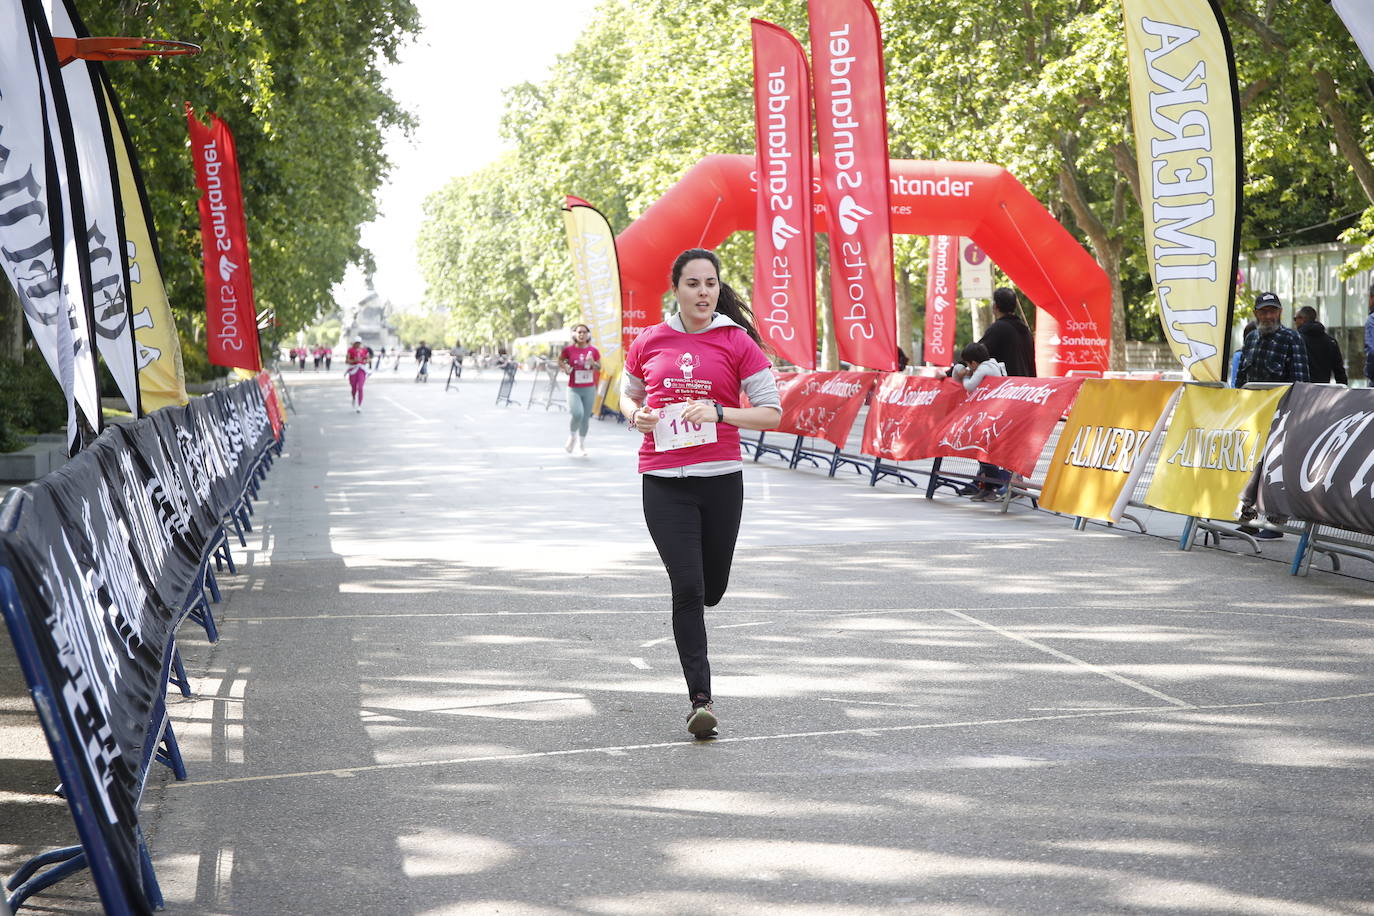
694,522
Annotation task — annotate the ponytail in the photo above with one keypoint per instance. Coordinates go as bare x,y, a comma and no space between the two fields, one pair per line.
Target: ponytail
732,306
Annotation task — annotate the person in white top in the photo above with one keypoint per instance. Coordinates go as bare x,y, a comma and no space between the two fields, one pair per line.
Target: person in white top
978,364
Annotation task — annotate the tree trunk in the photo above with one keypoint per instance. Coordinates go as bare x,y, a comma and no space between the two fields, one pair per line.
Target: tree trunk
1107,255
11,324
830,349
905,315
979,318
1346,139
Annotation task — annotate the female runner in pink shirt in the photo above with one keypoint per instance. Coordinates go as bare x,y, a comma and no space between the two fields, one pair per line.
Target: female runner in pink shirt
356,373
681,389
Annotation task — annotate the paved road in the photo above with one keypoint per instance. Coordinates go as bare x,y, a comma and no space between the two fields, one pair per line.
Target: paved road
446,685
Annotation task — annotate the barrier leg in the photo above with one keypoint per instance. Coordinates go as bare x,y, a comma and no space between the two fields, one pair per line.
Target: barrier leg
200,612
151,889
178,677
243,514
212,585
1302,560
1185,540
26,881
226,556
934,479
877,472
238,530
834,462
169,752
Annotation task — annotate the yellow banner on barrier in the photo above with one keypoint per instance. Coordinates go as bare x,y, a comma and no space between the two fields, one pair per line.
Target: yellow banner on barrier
1107,435
1215,439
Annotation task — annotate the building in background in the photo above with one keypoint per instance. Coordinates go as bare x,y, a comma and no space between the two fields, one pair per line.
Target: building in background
1308,276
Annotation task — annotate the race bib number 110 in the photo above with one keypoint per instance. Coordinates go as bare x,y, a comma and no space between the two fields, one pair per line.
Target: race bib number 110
674,432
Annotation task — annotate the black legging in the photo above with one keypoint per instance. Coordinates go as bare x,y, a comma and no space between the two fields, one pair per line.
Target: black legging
694,522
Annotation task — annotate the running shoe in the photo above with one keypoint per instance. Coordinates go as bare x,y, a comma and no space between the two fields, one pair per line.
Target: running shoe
568,447
701,721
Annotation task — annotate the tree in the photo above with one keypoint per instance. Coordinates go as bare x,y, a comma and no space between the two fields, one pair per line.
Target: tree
300,86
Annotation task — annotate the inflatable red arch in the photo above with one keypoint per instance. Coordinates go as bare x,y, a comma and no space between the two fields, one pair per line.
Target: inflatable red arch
986,203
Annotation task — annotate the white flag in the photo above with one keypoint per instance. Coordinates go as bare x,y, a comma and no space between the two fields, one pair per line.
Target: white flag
1358,16
32,213
105,245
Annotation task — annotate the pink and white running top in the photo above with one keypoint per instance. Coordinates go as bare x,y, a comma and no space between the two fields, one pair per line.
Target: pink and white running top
677,366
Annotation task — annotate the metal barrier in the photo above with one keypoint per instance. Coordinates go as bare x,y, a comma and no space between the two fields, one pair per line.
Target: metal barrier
507,386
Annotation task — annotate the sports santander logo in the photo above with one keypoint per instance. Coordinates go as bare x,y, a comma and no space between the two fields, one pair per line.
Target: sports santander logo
782,232
851,214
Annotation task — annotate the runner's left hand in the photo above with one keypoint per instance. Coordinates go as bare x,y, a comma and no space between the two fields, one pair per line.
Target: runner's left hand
700,412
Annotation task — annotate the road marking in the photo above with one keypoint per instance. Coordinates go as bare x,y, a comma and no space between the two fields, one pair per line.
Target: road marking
830,733
399,406
735,626
654,642
641,664
838,614
1089,666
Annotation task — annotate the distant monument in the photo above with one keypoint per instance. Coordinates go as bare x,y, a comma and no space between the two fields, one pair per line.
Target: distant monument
368,319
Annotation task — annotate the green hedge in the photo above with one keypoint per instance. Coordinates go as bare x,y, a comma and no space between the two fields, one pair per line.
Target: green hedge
33,401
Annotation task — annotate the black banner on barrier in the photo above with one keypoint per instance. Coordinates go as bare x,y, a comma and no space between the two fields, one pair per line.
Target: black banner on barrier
92,647
1318,465
105,552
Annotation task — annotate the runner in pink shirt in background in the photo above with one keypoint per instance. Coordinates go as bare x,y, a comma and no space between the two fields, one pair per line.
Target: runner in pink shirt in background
681,389
581,361
356,373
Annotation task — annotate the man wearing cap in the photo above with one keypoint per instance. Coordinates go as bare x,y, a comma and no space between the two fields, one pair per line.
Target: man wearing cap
1369,339
1272,352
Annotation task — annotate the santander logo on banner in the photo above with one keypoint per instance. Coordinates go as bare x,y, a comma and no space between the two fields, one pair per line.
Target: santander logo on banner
851,128
941,283
784,253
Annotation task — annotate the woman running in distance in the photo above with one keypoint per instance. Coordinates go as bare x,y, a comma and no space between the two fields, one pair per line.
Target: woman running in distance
581,361
356,373
681,389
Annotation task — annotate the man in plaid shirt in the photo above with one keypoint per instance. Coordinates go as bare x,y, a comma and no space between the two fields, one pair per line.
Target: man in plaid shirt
1272,352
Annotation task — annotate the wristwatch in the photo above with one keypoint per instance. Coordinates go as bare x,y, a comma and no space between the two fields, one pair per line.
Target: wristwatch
720,414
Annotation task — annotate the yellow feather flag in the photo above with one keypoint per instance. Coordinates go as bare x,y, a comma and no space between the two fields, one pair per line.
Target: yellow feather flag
1185,114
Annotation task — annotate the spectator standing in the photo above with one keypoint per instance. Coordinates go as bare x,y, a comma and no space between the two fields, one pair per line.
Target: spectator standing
1369,340
1008,338
582,362
459,353
1272,352
977,365
681,389
423,354
1324,359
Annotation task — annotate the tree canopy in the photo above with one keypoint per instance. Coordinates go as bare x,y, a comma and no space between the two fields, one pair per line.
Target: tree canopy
301,87
1039,86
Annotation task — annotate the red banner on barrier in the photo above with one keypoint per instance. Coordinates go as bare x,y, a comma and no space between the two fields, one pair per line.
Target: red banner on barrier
1006,421
784,231
231,325
942,299
825,404
905,414
269,397
851,129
